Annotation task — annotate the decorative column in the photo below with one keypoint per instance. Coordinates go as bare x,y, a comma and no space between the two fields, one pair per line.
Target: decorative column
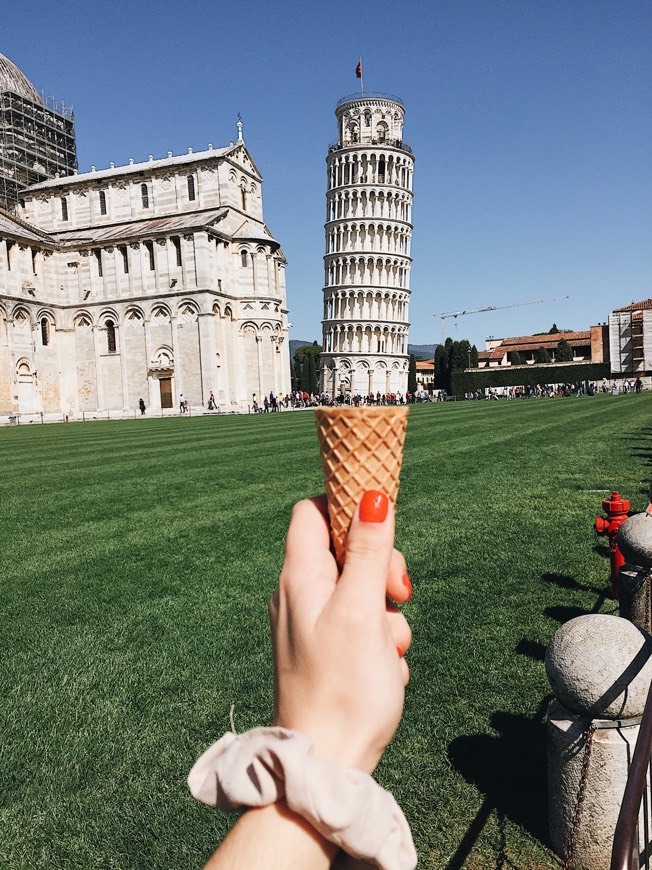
259,356
178,370
98,335
369,169
123,362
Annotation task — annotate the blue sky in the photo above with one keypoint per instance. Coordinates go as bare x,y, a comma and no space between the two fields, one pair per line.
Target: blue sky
530,123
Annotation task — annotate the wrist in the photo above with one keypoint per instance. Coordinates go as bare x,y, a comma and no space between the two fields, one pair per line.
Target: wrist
337,744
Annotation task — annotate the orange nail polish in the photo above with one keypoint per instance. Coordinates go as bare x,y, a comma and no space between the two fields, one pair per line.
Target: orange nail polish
374,507
399,651
408,585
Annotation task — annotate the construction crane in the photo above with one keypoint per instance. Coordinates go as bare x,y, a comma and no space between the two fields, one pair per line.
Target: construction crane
457,314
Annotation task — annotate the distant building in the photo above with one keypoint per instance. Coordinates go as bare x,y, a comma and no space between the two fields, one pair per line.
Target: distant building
148,281
589,346
367,263
630,339
425,374
37,141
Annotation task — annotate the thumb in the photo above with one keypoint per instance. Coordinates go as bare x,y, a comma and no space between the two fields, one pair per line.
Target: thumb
369,548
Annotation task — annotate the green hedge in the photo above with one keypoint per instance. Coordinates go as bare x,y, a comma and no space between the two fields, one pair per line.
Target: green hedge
466,382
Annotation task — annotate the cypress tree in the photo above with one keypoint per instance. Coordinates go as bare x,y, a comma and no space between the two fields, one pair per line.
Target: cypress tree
412,374
441,367
564,351
312,374
305,374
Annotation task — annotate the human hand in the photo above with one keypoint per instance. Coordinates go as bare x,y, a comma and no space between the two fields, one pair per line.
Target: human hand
339,669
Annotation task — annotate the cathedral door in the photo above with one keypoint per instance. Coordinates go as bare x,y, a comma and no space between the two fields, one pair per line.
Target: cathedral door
166,392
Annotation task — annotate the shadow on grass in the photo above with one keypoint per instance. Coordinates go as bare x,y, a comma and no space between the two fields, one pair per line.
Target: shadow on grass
601,550
510,770
531,648
566,582
563,612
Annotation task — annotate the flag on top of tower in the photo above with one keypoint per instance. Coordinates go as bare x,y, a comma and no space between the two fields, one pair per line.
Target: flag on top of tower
358,69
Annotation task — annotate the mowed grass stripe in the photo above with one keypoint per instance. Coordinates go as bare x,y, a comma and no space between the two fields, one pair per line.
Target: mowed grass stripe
137,562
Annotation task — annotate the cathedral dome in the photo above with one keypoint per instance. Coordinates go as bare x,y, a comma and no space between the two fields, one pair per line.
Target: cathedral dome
12,79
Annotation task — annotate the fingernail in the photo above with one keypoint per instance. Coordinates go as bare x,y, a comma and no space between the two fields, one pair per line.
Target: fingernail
408,585
374,507
399,651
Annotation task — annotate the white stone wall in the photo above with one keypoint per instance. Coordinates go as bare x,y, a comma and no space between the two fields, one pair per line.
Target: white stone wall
178,298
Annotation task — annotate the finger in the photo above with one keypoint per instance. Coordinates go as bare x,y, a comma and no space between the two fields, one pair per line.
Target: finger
309,570
399,586
369,549
399,629
308,532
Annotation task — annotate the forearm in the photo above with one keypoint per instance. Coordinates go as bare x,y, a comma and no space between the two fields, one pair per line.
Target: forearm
273,837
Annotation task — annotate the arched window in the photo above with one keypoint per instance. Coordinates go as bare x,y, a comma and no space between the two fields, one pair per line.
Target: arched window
64,208
102,202
367,119
145,195
191,188
45,331
244,199
243,258
110,336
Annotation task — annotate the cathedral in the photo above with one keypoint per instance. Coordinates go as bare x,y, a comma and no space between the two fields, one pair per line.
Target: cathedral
157,280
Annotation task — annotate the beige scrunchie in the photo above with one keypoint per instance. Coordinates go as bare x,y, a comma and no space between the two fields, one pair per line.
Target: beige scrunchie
344,805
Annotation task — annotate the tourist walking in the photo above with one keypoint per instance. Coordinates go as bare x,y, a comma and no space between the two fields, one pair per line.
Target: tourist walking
141,405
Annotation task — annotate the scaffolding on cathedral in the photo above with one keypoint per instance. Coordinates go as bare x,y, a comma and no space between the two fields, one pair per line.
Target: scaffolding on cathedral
37,142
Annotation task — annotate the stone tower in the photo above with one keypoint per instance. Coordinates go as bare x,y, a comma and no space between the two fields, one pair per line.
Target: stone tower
367,262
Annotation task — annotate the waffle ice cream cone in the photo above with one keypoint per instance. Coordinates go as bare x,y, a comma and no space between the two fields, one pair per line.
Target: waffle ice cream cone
361,449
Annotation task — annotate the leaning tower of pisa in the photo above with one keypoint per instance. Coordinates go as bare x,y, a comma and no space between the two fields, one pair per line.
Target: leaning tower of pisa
367,262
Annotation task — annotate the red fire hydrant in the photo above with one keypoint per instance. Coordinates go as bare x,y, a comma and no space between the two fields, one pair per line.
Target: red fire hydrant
617,510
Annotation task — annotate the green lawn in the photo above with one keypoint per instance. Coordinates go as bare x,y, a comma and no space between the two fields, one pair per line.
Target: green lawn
136,564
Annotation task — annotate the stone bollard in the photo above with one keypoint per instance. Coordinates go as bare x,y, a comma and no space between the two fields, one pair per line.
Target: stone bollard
634,540
600,668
